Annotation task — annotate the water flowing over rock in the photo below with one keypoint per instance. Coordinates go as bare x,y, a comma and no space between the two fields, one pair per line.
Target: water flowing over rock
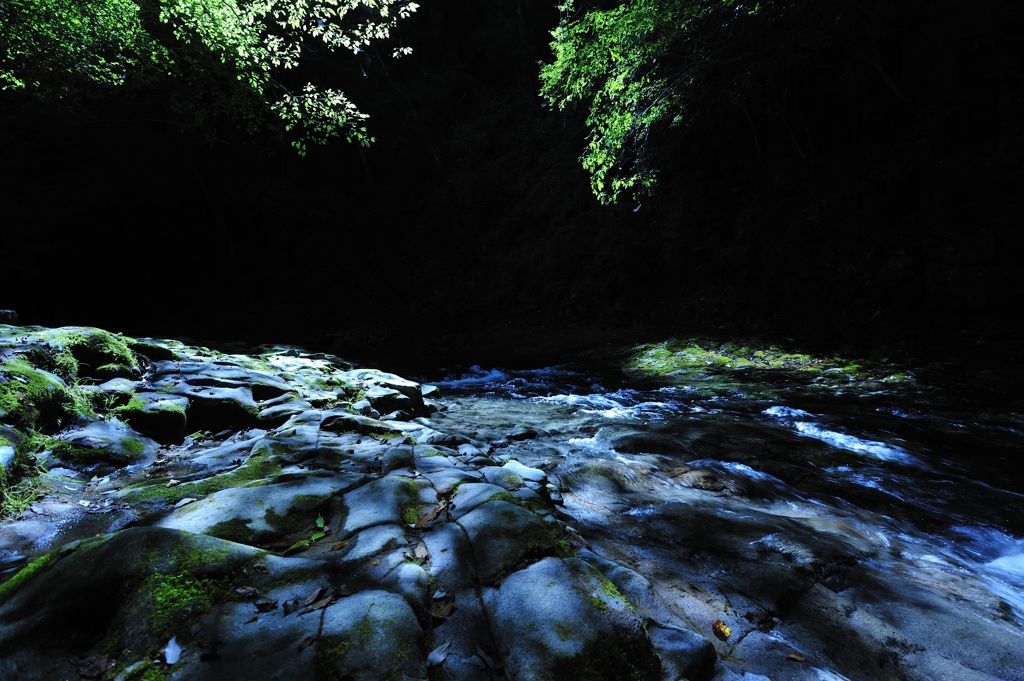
284,514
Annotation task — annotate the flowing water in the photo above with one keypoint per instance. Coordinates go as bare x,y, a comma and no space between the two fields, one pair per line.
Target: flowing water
765,500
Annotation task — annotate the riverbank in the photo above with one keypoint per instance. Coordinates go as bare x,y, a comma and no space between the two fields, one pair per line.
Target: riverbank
691,510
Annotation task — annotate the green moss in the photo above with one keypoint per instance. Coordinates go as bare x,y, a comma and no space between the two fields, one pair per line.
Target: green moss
291,523
403,652
236,530
137,406
73,453
23,575
564,631
34,400
131,445
61,363
175,599
702,358
191,558
596,602
150,350
609,589
95,348
364,629
134,404
532,505
155,673
410,514
631,658
328,655
307,500
258,467
337,651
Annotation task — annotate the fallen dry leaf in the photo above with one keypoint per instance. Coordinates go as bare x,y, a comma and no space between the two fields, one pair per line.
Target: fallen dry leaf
266,606
442,607
438,654
313,596
247,591
421,552
306,642
722,631
252,619
261,568
92,667
796,657
339,545
425,519
291,606
322,603
173,483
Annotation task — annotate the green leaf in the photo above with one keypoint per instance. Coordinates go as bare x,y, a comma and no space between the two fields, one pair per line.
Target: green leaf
317,536
320,522
301,544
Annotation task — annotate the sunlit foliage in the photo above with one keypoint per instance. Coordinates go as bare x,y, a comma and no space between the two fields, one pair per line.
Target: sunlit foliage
236,49
637,64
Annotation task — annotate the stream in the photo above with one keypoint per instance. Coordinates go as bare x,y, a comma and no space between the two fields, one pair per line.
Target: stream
771,503
776,517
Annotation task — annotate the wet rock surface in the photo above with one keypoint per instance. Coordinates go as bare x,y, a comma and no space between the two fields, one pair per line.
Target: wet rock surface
283,514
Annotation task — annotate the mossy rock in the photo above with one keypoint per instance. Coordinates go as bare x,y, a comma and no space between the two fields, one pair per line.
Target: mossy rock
141,578
371,630
558,620
97,353
161,417
33,399
503,535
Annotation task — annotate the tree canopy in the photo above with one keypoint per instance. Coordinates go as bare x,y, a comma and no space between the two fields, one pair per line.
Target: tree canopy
641,63
635,66
224,56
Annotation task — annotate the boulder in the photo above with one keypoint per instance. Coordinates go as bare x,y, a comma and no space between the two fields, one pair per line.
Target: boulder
558,620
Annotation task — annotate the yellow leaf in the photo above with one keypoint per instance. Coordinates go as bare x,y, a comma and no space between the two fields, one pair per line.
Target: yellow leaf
722,630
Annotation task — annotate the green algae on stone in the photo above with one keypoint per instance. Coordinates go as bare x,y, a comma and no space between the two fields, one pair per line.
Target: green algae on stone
235,529
37,400
669,357
172,600
257,468
703,358
127,451
23,575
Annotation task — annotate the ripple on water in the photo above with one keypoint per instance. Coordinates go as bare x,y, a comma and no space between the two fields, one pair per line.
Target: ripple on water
877,450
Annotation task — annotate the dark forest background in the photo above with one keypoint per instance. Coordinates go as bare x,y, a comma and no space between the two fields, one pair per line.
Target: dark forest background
841,202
